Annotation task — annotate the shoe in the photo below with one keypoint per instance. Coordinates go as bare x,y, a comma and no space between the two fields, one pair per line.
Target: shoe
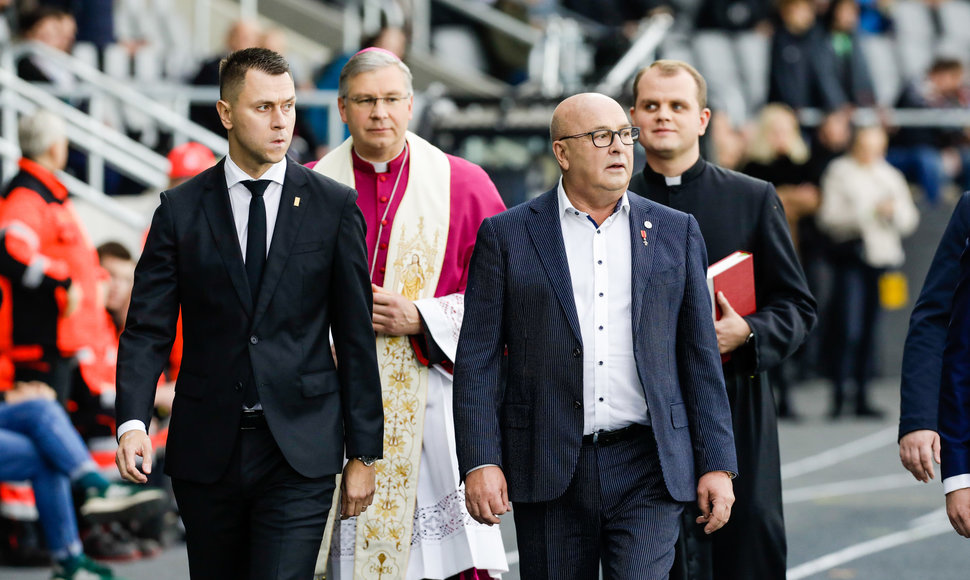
868,412
123,501
111,542
148,548
83,569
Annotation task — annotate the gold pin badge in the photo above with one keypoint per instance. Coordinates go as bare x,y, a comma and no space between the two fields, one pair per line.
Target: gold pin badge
296,202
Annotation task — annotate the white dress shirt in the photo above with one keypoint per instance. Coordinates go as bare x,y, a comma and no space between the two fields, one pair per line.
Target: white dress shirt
239,198
601,271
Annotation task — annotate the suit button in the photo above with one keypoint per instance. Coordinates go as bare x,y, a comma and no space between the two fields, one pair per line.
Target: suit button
577,352
577,405
253,339
239,386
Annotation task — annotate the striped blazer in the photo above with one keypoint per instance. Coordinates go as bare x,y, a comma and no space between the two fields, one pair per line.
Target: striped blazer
518,386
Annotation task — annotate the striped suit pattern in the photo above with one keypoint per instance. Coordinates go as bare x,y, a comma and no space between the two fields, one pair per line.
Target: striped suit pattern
519,301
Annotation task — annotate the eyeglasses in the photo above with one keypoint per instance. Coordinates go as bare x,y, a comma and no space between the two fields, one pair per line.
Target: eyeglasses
371,102
604,137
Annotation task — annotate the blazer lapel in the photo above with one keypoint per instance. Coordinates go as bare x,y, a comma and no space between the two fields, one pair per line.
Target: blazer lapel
642,254
545,230
288,222
215,204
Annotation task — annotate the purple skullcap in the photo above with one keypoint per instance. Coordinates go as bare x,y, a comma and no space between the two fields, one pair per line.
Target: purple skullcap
377,49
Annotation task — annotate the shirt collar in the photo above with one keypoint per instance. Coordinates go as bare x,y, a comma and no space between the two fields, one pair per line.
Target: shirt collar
361,164
276,173
695,170
566,206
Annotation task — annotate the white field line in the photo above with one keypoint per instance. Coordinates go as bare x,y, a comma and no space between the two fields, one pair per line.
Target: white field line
848,487
839,454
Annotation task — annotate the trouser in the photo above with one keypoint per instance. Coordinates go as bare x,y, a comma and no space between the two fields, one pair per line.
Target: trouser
39,444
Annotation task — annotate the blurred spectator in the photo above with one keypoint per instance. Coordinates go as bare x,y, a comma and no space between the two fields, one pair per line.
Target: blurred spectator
48,259
874,16
188,160
832,139
735,15
120,265
847,59
800,75
54,28
38,443
779,155
727,143
242,34
930,156
95,22
866,209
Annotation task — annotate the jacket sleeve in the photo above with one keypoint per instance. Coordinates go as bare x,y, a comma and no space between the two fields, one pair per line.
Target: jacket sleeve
353,337
955,386
923,351
478,386
699,367
786,309
21,260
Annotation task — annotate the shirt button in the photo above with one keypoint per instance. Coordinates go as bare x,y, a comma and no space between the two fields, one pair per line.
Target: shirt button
383,199
577,405
601,399
239,386
601,294
601,363
601,328
383,222
383,246
253,339
577,352
383,178
599,232
599,261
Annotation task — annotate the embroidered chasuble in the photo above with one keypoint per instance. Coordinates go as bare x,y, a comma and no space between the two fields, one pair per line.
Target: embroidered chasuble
415,254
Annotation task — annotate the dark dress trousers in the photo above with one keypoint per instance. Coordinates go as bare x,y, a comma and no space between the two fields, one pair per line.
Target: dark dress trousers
955,386
923,352
246,494
737,212
530,422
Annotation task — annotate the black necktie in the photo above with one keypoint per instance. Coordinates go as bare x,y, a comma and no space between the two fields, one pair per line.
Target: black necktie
256,241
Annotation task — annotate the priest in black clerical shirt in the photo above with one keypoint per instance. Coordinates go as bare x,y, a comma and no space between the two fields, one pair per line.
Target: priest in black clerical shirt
735,212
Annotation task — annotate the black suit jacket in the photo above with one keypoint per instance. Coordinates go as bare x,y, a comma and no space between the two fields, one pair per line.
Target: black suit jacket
315,279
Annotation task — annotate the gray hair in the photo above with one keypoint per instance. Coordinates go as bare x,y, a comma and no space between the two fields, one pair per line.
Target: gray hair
37,132
367,61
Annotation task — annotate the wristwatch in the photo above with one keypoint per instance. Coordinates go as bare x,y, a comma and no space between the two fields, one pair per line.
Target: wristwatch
750,338
367,460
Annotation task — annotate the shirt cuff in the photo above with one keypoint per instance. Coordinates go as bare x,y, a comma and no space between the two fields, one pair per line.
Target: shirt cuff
479,467
132,425
956,482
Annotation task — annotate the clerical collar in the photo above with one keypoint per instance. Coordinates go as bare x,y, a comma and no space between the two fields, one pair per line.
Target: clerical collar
695,170
378,166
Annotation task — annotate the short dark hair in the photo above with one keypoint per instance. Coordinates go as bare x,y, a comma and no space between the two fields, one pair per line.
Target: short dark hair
114,250
669,68
29,20
945,64
233,68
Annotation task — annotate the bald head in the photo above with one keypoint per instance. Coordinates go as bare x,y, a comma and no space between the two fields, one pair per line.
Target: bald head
243,34
571,114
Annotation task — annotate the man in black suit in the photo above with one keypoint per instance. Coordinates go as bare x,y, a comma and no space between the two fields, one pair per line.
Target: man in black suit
264,257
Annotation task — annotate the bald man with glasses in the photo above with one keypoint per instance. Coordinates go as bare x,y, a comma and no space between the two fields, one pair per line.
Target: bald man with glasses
588,392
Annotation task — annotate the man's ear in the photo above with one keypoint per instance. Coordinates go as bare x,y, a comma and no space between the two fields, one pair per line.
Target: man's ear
559,150
224,110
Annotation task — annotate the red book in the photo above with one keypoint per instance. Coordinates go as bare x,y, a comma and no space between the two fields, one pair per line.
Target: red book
734,276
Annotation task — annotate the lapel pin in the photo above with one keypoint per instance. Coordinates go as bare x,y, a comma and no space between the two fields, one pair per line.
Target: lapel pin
296,202
643,234
648,224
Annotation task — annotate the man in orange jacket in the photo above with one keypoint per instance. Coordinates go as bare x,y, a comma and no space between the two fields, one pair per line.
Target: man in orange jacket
49,261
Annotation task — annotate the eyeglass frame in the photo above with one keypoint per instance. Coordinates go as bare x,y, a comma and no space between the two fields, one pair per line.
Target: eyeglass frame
634,134
371,102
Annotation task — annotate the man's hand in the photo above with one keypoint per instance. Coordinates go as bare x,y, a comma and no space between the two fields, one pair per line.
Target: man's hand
394,314
29,390
134,443
731,329
357,488
958,510
917,450
486,494
715,496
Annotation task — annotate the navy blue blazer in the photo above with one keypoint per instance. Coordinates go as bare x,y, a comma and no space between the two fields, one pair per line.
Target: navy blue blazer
923,352
519,302
955,387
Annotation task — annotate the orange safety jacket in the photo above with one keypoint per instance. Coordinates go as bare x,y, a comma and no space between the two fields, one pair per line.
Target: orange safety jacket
44,250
